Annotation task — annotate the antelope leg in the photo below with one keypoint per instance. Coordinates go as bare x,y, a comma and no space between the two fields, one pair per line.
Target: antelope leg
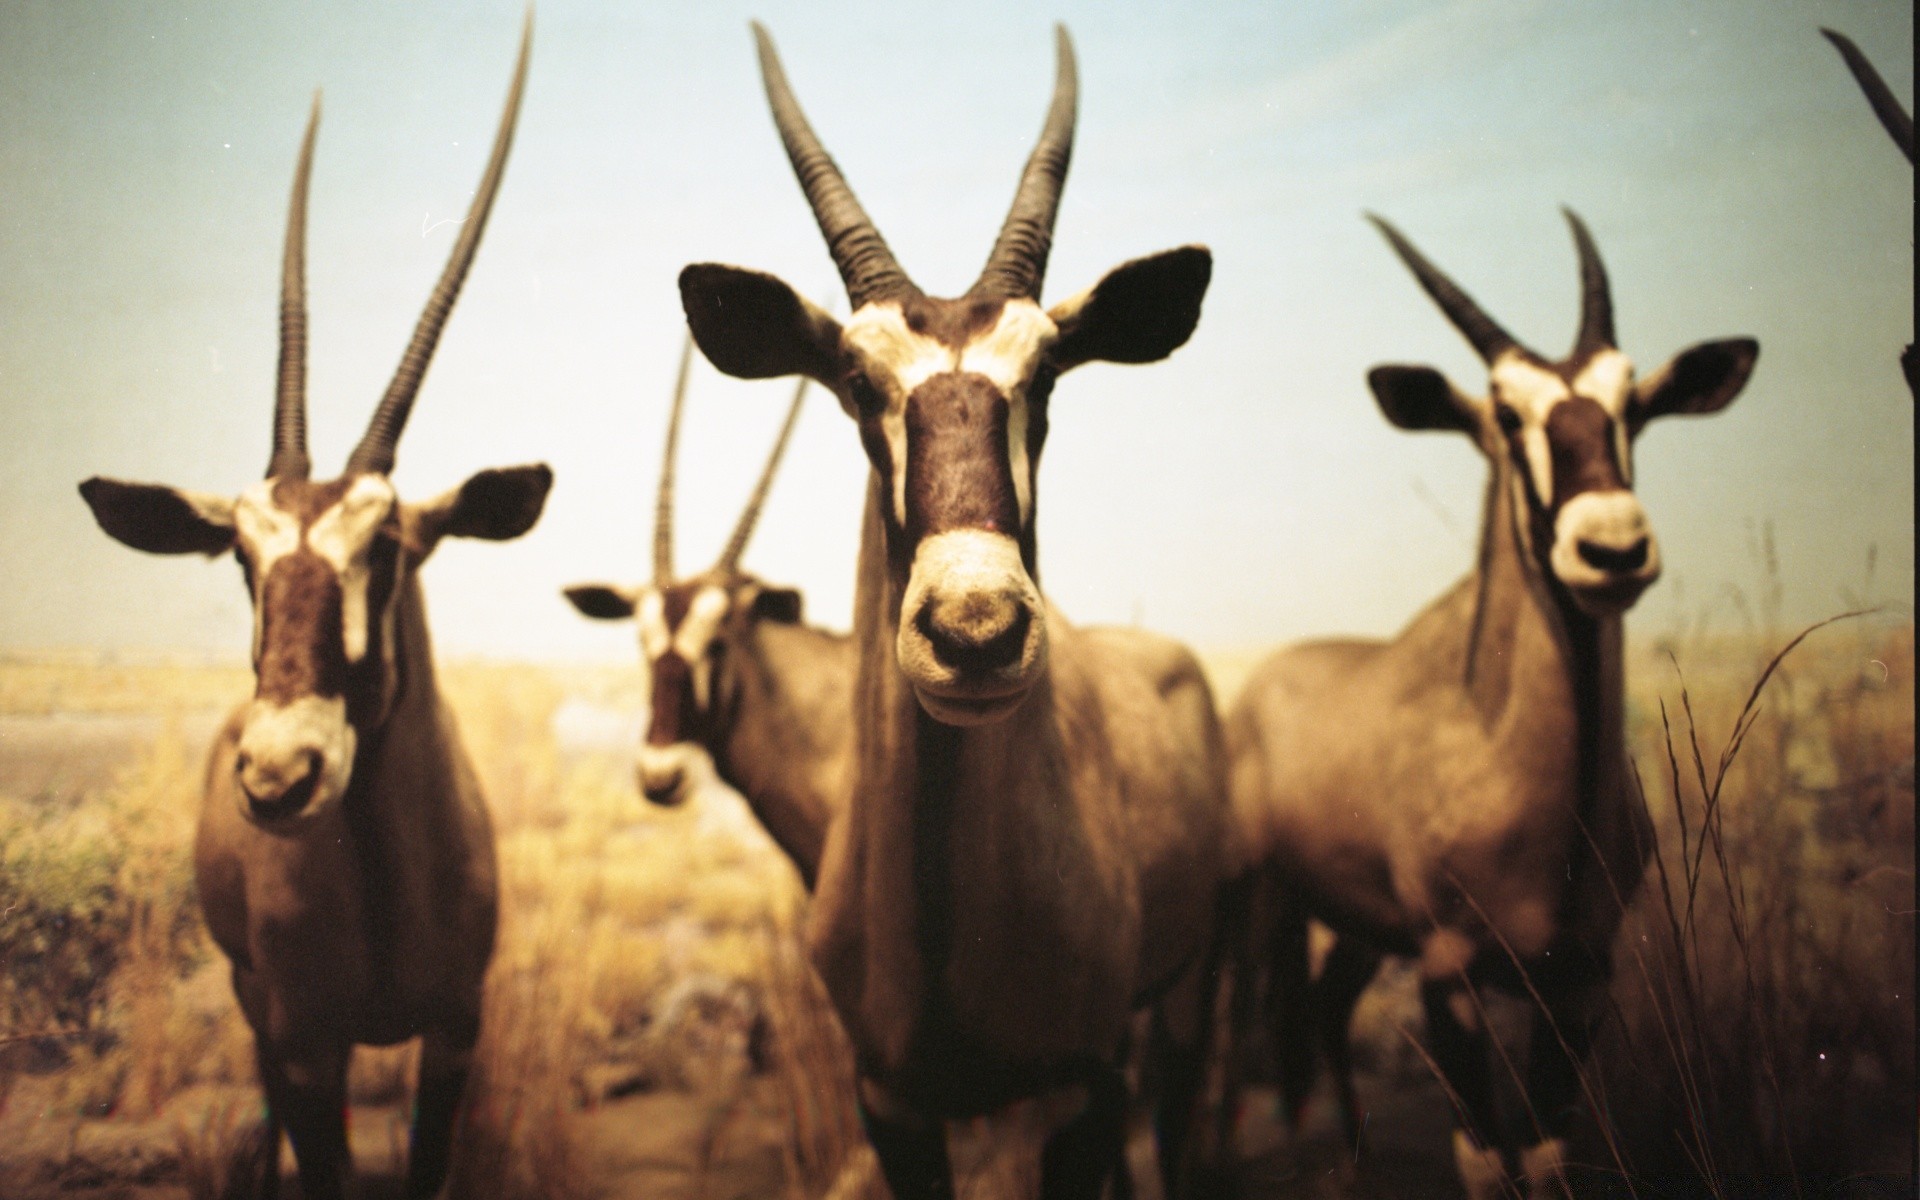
446,1059
1082,1154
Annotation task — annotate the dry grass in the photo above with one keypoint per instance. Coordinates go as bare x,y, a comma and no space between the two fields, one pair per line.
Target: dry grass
607,905
1765,989
1765,1020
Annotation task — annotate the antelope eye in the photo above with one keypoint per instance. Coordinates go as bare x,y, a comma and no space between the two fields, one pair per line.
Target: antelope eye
866,397
1508,420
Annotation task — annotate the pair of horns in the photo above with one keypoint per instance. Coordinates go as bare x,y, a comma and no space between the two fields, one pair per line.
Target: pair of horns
1596,302
375,452
1018,263
729,560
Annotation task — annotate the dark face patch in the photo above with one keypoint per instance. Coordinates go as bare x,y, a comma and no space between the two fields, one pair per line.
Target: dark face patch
301,650
674,712
300,610
952,322
1580,435
958,474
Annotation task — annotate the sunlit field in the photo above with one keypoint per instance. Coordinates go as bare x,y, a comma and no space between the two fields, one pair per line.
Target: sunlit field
652,1028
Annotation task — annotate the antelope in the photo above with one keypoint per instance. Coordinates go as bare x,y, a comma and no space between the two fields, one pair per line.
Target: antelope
345,858
1899,126
735,676
1461,794
1034,811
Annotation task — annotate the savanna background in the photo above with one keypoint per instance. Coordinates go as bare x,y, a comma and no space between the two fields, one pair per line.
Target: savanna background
652,1029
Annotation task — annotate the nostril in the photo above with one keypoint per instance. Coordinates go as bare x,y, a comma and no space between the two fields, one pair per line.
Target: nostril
1610,558
242,762
977,646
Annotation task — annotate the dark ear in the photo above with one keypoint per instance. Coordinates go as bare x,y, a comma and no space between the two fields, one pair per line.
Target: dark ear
495,504
753,326
602,601
777,604
1701,379
1140,312
160,519
1421,398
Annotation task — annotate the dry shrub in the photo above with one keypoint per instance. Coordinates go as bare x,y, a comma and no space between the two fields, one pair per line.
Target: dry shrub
1765,981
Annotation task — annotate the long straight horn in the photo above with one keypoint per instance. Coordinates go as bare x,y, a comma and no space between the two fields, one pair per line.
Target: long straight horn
743,529
289,456
1596,301
1480,329
1018,263
1879,95
663,504
866,266
376,448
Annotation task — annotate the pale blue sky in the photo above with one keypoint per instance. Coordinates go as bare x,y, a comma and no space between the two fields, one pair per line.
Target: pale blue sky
1245,491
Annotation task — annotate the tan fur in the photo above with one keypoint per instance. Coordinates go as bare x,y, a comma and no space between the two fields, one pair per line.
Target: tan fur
1083,851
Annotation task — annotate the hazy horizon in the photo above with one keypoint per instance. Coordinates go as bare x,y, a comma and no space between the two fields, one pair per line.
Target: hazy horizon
1244,492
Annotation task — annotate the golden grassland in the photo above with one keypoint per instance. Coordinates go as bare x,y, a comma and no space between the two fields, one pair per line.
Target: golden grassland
1764,1021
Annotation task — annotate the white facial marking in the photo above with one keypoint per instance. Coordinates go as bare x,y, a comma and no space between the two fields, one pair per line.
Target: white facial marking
669,774
341,536
962,565
277,739
695,635
1607,378
1531,391
651,616
269,535
897,360
900,360
1007,354
1612,521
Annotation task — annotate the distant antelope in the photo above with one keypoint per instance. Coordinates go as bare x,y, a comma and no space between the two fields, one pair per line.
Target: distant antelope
1035,814
345,859
1899,126
734,674
1461,794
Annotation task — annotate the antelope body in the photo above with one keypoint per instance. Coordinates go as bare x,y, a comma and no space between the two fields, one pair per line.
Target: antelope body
344,858
735,675
1461,794
1031,841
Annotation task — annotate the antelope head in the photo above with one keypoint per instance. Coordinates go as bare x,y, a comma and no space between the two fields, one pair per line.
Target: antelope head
950,396
326,561
1566,428
687,624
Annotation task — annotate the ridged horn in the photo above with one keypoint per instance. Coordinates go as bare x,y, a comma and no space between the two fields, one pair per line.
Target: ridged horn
1480,329
866,265
1892,116
743,529
376,448
1596,301
289,457
1018,263
663,503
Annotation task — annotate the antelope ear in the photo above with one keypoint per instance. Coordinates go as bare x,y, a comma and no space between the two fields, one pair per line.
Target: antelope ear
1139,312
603,601
1699,380
160,519
495,504
777,604
753,326
1422,398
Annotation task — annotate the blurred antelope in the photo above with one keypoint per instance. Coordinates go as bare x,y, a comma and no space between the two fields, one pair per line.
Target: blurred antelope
1461,794
345,858
1899,126
735,675
1033,834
